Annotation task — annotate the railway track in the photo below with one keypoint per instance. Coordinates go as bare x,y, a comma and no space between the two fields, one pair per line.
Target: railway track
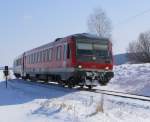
123,95
105,92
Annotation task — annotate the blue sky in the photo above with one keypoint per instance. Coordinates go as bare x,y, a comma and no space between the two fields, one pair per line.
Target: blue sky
25,24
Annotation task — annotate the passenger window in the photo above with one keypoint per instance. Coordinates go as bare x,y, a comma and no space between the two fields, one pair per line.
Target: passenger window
65,52
45,55
29,59
58,54
41,56
32,59
68,51
37,56
49,55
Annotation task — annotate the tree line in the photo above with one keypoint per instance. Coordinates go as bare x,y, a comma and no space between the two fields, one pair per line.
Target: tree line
139,50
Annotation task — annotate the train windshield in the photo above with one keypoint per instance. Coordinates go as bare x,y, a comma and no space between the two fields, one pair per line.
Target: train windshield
92,49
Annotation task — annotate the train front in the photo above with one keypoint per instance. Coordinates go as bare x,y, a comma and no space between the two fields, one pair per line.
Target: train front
94,61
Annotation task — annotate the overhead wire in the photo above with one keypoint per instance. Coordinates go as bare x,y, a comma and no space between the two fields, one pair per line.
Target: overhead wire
133,17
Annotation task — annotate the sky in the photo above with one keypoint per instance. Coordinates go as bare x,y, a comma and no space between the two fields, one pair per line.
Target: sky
26,24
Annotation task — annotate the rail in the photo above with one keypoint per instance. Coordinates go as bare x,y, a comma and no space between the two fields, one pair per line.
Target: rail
122,94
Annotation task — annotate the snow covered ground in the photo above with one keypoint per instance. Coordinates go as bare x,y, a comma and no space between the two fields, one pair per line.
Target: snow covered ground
24,102
132,78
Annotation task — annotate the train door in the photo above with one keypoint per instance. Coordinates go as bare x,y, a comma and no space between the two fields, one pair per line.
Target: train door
66,55
23,65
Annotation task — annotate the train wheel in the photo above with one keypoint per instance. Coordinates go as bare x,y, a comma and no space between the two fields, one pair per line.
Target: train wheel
89,87
62,83
17,76
81,86
71,82
69,85
24,77
46,79
104,82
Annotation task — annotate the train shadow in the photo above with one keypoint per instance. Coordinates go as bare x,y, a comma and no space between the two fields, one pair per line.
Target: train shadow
20,91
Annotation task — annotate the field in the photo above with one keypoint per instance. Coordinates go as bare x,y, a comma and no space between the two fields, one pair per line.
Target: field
31,102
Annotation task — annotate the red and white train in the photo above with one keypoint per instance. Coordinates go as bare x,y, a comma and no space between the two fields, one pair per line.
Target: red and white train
79,59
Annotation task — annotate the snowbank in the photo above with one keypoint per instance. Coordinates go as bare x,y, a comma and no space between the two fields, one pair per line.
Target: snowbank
133,78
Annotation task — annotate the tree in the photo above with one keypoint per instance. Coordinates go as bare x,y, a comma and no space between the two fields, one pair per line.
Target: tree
99,24
139,51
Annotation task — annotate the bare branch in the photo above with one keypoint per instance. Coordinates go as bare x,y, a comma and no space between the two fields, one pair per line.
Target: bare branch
139,51
99,23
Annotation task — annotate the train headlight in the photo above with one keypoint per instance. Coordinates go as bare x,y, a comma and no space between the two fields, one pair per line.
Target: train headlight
106,68
94,58
80,66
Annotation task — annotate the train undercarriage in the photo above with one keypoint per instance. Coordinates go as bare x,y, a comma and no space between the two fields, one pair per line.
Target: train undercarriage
77,78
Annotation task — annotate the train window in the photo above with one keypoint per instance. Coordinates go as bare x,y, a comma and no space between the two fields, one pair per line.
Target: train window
100,47
34,60
18,62
84,46
58,53
37,57
41,56
28,59
44,56
31,58
25,59
65,52
49,55
68,51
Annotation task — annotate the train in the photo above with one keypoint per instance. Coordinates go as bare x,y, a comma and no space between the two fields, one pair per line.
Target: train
82,59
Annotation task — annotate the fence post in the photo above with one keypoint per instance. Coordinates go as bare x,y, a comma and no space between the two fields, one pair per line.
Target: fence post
102,102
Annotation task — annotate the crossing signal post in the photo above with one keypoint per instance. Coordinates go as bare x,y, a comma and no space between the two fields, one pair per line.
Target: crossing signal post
6,73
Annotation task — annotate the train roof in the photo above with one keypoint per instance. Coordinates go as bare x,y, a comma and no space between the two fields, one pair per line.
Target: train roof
88,35
83,36
79,35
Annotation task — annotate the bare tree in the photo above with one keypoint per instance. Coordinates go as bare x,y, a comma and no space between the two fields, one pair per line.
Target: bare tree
99,24
139,51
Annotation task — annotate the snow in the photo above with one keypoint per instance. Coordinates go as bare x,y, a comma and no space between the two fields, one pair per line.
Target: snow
25,101
132,78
